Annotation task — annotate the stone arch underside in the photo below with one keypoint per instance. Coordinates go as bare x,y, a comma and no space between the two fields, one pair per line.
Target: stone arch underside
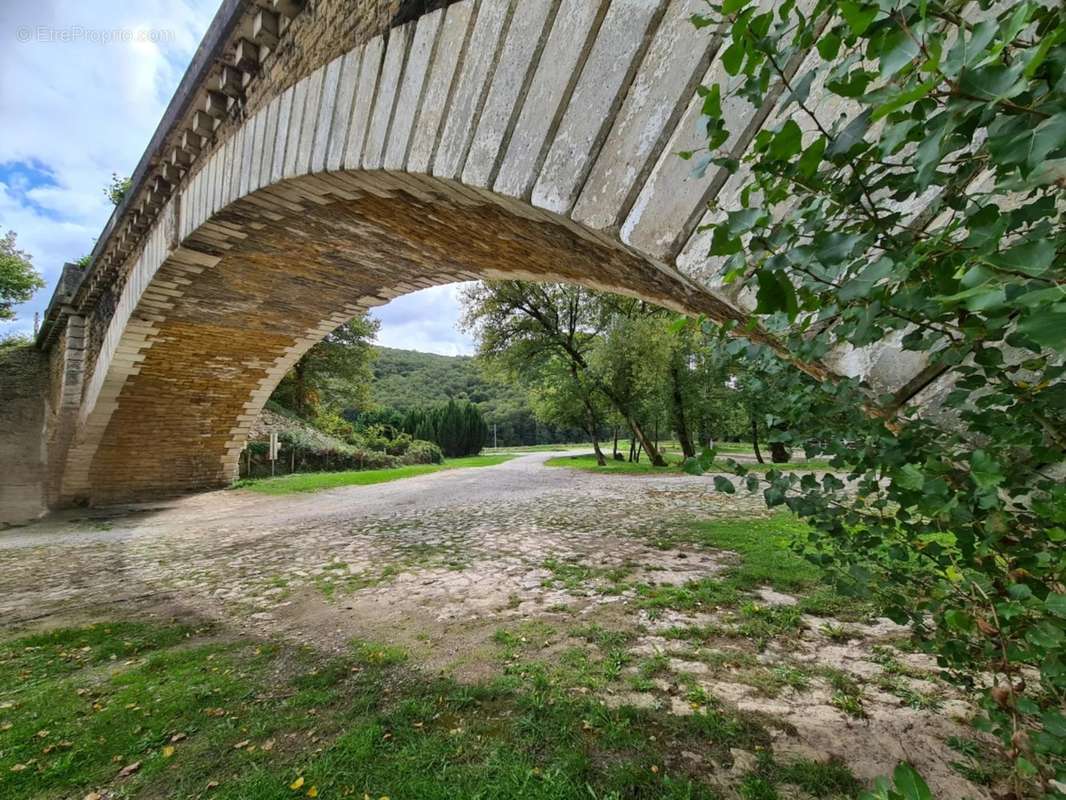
230,310
533,139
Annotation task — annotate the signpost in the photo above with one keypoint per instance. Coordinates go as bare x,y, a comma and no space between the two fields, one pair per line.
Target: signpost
273,451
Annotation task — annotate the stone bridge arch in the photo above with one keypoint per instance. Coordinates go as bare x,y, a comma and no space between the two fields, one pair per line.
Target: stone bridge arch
529,139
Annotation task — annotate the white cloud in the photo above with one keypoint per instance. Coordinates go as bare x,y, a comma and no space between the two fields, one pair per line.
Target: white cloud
426,321
79,109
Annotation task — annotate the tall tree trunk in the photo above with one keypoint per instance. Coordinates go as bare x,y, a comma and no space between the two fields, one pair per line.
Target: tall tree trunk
593,425
653,452
300,379
755,439
614,451
680,421
600,459
591,422
779,454
632,447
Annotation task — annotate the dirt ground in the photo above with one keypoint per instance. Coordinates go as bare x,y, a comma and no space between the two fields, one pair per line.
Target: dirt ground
440,564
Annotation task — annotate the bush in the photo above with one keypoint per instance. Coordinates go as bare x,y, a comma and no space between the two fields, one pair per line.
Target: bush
376,437
399,445
423,452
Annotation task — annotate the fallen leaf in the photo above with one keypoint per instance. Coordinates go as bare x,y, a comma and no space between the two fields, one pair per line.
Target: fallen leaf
18,768
268,745
129,769
41,734
177,737
92,796
168,751
312,792
243,744
296,784
212,784
7,726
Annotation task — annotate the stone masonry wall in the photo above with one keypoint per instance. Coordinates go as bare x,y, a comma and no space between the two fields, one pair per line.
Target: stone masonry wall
24,380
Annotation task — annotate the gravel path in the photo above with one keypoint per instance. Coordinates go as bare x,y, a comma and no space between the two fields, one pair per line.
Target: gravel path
240,547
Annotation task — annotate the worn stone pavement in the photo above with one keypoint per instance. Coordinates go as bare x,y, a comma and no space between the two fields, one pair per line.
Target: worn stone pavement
462,538
439,562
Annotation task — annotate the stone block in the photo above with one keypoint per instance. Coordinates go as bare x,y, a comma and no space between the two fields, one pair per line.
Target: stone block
446,57
597,95
520,50
475,72
666,80
385,101
409,99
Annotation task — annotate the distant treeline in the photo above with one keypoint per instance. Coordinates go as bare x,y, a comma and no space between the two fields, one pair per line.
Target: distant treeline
405,380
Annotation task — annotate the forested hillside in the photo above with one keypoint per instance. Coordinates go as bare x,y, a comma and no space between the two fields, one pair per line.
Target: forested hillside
406,379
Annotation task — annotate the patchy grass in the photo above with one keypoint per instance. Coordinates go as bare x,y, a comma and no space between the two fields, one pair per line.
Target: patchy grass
140,710
572,575
824,780
317,481
587,463
766,558
979,761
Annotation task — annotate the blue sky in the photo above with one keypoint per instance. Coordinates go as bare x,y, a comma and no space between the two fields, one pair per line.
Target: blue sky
83,84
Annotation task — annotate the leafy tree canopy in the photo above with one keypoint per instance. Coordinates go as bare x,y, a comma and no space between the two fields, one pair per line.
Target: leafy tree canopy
334,374
18,279
908,188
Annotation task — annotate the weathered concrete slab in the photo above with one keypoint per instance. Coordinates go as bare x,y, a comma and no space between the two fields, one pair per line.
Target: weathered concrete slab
250,153
348,82
277,168
257,150
324,123
604,78
450,46
674,196
409,100
364,103
296,118
667,78
471,87
309,120
521,49
564,52
270,133
385,102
